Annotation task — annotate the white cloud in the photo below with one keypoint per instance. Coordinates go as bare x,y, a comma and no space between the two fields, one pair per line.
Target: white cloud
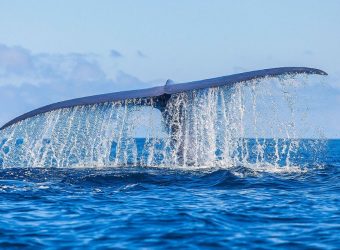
115,54
141,54
20,66
29,80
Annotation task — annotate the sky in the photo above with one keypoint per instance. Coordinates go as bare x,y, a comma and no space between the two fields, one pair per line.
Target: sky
56,50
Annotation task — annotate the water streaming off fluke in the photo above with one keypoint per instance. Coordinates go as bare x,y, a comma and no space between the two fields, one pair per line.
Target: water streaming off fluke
222,126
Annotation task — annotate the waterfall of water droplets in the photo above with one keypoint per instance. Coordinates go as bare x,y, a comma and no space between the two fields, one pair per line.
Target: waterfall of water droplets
252,122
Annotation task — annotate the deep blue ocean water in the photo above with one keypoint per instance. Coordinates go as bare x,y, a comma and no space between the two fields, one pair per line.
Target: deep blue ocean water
168,208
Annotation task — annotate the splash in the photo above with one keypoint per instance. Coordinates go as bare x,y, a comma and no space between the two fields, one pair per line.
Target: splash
255,123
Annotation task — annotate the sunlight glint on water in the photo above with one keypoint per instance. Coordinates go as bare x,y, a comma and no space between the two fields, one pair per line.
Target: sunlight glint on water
200,128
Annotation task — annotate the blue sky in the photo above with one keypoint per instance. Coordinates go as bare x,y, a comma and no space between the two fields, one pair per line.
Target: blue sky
54,50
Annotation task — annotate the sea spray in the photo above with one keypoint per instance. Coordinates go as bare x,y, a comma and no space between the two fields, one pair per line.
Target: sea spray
253,123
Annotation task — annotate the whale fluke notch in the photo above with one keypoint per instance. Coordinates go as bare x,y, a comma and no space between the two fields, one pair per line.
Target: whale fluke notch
161,94
169,82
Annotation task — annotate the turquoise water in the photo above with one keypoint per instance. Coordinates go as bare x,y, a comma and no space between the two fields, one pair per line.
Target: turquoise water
236,207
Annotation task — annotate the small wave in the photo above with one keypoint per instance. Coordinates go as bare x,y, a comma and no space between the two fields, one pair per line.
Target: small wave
139,178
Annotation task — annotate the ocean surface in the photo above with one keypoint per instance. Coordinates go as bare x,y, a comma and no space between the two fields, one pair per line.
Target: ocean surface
231,207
